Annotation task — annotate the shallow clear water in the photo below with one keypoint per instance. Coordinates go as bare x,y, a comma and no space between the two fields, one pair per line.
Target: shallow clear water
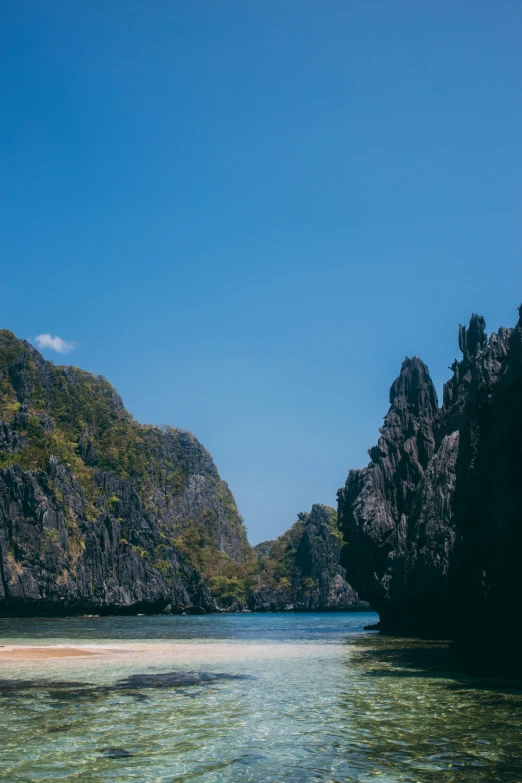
306,698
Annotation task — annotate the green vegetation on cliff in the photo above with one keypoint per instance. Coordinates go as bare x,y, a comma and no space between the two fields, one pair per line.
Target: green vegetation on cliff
101,512
79,419
301,568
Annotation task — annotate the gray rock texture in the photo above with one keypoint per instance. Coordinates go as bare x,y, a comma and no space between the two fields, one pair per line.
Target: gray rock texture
433,525
99,513
300,571
56,558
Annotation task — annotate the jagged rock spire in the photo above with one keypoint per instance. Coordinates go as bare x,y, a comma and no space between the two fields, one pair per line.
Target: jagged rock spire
414,386
432,527
472,338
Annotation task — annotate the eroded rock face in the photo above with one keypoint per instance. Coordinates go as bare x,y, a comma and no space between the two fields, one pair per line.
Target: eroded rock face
97,512
300,570
433,525
57,559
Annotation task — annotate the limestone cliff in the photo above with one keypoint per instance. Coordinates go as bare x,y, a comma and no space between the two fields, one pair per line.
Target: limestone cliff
300,570
98,512
433,525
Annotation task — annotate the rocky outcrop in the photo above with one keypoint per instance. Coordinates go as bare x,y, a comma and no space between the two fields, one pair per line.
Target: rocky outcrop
57,558
433,525
99,513
300,571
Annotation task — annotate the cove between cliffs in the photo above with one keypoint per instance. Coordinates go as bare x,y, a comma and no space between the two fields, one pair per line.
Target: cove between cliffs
100,514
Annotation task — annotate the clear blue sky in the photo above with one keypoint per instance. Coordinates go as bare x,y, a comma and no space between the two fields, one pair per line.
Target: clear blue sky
247,213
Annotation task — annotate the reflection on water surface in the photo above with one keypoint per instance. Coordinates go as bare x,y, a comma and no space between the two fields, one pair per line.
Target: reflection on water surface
248,699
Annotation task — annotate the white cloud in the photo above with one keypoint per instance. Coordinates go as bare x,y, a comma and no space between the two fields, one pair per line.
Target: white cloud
54,343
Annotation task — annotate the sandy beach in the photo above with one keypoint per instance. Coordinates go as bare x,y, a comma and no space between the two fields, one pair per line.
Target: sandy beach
163,653
12,653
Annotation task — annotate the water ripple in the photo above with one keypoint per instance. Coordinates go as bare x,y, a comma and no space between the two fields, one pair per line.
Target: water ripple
249,699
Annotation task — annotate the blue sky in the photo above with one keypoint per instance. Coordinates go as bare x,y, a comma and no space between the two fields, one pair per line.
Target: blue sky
246,214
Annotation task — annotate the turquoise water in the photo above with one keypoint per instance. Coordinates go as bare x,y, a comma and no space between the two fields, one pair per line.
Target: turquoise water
290,698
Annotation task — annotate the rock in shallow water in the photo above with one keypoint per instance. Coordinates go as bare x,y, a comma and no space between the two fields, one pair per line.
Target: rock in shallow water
116,753
176,679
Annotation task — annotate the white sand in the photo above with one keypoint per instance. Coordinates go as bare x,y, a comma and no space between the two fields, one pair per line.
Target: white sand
12,653
166,652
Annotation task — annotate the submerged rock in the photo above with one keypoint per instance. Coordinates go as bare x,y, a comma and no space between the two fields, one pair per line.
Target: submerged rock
177,679
116,753
62,692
